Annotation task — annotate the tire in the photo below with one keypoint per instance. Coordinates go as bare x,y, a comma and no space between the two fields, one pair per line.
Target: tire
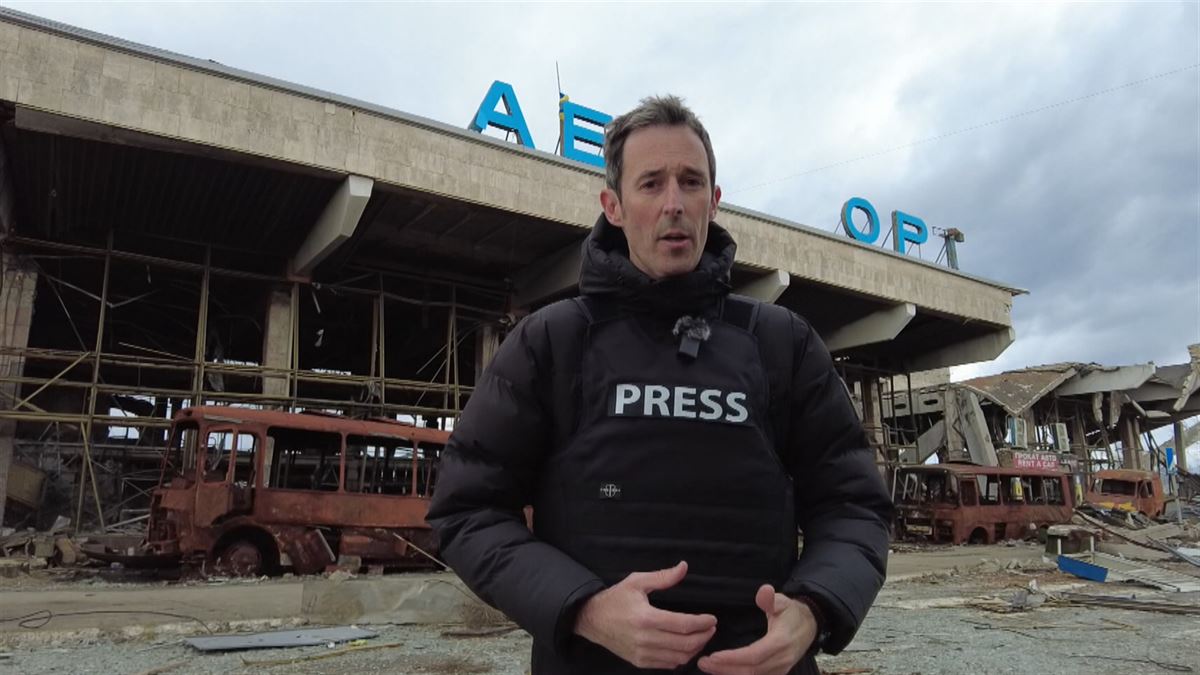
978,536
246,555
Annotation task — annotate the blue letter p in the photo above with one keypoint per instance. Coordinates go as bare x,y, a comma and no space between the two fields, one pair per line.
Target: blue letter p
901,222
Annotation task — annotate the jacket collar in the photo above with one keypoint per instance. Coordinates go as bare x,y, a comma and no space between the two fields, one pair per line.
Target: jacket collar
608,272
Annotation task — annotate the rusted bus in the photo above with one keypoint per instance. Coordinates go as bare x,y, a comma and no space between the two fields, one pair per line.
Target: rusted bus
957,503
1128,490
253,491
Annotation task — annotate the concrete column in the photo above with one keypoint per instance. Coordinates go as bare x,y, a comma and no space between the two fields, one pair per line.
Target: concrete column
956,443
1129,444
18,286
277,342
1180,450
871,421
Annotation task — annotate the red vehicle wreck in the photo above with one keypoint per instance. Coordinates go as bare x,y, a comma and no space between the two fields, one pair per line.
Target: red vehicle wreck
252,492
957,503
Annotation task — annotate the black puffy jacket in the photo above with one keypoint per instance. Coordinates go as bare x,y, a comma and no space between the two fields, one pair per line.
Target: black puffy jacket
507,452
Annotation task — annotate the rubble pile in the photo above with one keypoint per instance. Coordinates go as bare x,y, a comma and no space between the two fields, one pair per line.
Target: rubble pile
29,550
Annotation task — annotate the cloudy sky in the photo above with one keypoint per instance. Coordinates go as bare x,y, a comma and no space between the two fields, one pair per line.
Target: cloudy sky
1063,140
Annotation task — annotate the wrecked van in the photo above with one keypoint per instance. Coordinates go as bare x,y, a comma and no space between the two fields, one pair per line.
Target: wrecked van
965,503
249,492
1128,490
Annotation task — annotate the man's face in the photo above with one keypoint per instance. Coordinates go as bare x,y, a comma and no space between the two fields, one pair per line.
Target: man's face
667,199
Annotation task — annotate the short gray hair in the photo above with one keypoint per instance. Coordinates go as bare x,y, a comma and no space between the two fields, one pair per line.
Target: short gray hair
651,111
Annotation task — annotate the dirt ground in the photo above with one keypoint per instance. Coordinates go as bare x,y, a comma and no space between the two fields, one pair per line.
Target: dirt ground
944,610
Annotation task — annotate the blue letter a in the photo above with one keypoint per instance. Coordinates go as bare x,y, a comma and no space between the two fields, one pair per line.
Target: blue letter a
510,120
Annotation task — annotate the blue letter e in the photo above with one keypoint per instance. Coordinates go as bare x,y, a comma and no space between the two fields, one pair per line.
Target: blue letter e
901,222
510,120
573,132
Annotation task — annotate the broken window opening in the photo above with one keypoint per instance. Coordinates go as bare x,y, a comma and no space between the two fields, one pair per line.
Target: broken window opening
304,460
378,465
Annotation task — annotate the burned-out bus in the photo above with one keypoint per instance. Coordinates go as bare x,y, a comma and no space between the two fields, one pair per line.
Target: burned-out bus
249,492
957,503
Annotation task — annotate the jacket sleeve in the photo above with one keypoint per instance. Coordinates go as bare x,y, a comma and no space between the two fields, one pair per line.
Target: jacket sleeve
487,475
842,504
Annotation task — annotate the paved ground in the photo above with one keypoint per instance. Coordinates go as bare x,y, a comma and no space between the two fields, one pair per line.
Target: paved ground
101,604
936,615
104,606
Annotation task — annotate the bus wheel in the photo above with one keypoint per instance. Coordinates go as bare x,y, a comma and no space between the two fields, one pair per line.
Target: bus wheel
978,536
243,557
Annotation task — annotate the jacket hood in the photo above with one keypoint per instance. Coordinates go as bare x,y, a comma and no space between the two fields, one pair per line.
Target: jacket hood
608,272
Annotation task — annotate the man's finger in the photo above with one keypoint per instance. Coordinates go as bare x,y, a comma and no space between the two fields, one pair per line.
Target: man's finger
765,599
751,655
658,580
711,667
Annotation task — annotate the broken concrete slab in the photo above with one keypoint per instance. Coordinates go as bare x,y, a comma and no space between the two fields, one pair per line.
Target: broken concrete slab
1131,551
1106,568
408,599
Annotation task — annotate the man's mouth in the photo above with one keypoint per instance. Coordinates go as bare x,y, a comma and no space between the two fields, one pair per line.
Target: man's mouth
675,237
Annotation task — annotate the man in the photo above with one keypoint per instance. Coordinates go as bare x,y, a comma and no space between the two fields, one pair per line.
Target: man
670,438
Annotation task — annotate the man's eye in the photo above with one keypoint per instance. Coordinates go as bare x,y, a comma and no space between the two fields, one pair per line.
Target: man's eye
649,184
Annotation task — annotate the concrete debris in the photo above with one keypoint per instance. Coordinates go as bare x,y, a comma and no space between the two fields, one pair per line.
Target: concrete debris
338,576
1104,568
1130,520
1130,551
1025,599
38,550
1072,538
397,599
1127,603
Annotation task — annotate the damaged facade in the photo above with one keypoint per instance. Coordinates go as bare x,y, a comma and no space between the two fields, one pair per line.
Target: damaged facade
1077,417
177,233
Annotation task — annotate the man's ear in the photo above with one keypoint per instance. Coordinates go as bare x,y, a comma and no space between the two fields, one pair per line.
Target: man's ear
612,206
716,201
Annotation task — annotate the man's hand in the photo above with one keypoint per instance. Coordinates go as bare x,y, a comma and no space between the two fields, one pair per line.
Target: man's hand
622,620
791,628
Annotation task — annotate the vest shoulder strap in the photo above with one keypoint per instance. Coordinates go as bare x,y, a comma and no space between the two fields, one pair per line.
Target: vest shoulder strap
595,309
740,311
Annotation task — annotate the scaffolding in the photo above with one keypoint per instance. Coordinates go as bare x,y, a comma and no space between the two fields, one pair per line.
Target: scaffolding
123,338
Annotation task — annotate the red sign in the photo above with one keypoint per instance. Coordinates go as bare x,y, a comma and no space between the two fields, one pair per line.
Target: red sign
1042,461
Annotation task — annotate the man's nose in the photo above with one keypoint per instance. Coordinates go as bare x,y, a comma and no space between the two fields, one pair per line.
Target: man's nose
673,203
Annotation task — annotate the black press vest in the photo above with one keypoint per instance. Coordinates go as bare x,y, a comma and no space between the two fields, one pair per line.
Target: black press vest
672,458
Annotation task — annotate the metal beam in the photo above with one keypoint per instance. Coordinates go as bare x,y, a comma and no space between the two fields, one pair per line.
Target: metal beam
982,348
766,288
551,276
876,327
1119,378
336,224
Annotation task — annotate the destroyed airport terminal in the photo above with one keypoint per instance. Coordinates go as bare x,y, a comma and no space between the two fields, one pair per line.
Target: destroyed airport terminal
179,233
186,246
